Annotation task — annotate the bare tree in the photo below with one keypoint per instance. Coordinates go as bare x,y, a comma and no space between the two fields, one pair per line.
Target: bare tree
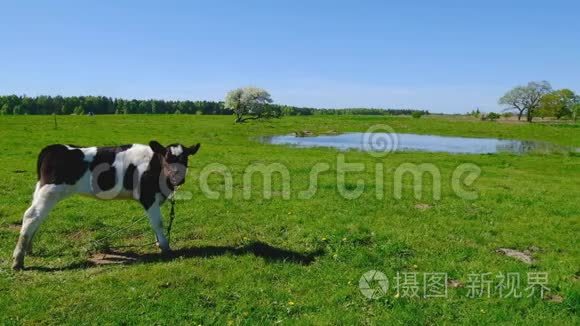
526,99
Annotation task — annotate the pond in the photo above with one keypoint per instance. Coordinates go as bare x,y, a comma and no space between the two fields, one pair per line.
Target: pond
381,142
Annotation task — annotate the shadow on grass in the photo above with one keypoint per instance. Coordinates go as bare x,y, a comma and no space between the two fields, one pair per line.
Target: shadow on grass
258,249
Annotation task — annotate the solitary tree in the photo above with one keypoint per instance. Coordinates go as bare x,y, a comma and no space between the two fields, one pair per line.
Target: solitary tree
249,101
526,99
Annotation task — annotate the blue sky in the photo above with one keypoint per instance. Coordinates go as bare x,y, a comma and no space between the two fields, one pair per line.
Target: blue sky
444,56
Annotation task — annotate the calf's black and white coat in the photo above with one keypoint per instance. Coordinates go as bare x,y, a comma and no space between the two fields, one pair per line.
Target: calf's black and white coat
147,173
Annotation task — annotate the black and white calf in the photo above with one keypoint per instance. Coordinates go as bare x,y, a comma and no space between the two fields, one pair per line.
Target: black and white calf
147,173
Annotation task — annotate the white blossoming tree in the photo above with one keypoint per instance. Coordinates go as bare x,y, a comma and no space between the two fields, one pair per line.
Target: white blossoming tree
250,103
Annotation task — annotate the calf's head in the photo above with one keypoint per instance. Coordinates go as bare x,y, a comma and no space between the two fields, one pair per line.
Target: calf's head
173,160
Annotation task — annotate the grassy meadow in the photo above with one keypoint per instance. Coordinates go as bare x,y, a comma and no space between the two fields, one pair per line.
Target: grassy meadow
296,261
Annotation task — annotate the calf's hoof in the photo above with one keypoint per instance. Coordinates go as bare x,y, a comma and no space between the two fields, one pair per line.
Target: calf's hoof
17,266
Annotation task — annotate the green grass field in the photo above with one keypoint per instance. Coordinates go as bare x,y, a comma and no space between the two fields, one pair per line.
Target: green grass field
248,261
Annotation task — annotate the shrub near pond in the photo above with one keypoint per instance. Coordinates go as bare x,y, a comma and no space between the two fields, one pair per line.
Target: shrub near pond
492,116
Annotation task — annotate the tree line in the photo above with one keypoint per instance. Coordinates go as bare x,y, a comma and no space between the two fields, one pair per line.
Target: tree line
13,104
16,105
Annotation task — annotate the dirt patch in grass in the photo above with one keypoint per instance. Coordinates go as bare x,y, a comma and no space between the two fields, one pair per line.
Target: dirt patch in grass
14,227
423,207
454,283
555,298
111,259
523,256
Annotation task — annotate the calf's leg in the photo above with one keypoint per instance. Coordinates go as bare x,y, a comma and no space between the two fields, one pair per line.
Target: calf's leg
44,200
154,213
28,248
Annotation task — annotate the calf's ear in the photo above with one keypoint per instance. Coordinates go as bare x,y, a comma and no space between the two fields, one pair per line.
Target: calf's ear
193,149
157,148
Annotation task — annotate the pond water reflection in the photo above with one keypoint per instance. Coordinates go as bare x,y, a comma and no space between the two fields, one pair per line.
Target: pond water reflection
415,142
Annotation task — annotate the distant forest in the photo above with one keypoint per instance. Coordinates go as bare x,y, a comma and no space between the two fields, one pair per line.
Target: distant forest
15,105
